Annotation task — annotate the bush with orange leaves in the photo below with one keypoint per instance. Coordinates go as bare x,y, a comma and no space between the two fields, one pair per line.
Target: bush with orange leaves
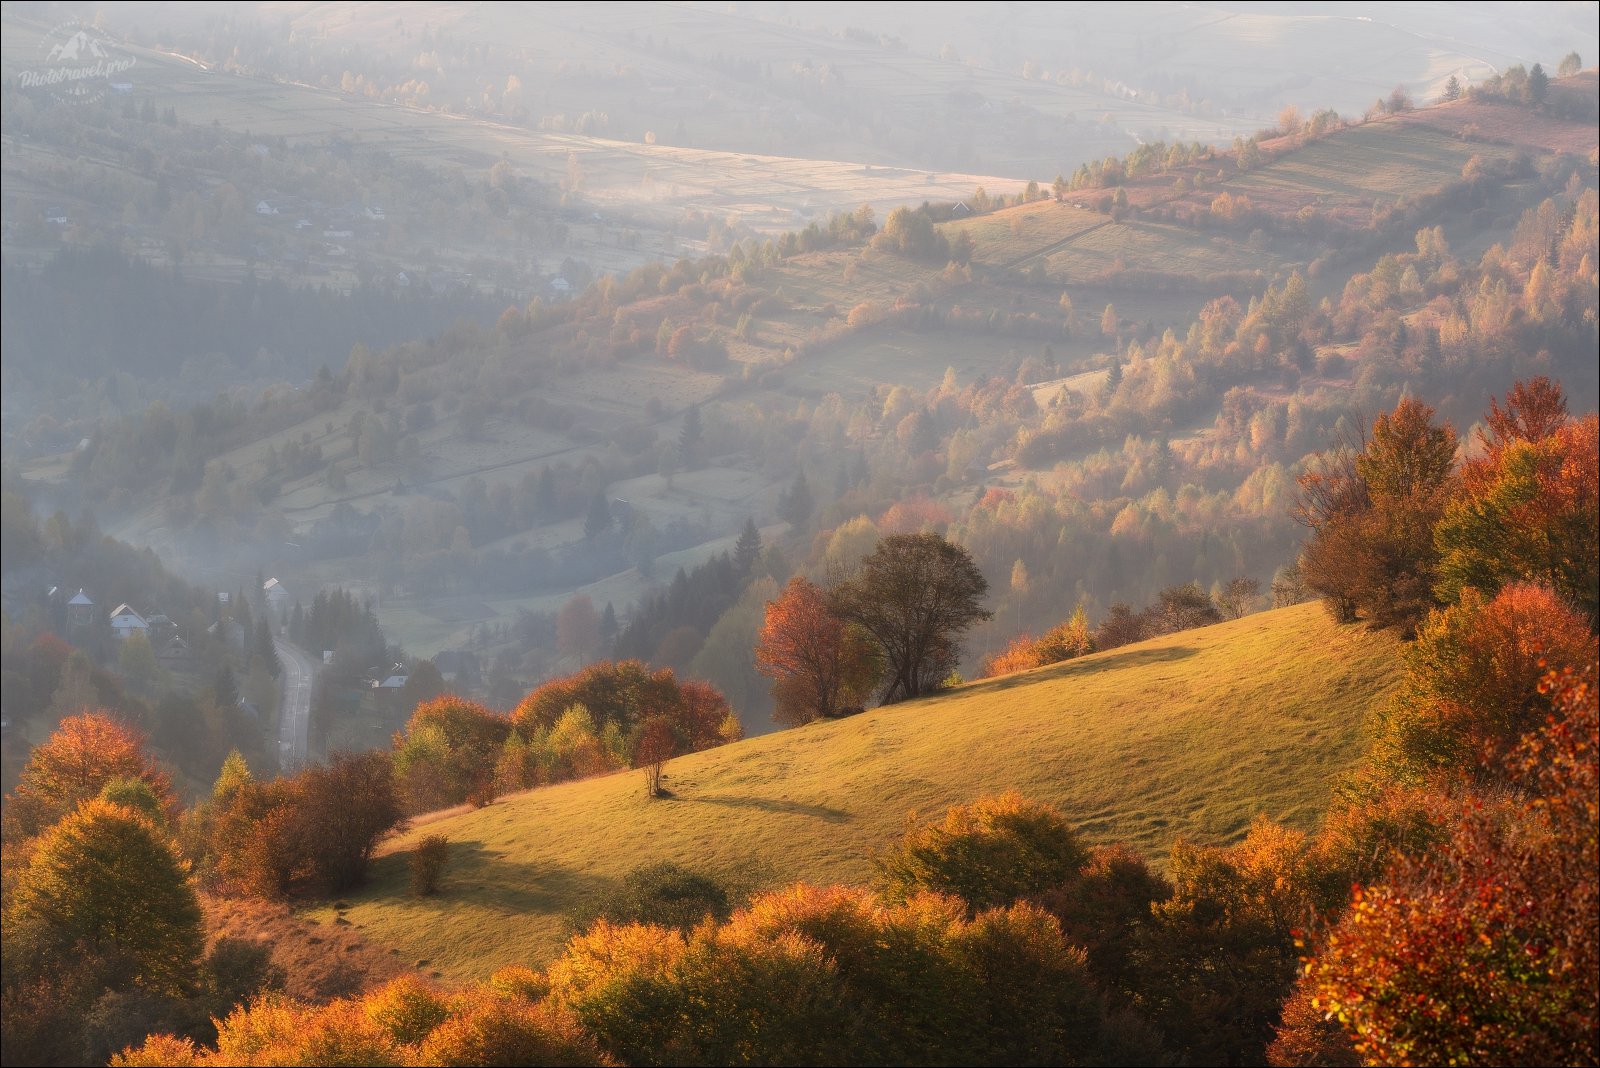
821,976
1065,641
1484,950
1472,689
401,1023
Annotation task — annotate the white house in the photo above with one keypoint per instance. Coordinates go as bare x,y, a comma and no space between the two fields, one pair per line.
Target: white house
277,597
80,610
125,623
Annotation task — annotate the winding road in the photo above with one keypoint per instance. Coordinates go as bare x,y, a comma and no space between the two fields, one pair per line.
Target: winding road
294,703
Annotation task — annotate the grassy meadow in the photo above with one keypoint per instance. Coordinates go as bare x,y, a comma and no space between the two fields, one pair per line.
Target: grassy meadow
1189,735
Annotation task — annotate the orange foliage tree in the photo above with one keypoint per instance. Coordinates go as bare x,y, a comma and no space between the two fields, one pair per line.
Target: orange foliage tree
447,752
817,663
106,880
1472,685
1065,641
1528,508
626,693
1372,512
81,755
832,975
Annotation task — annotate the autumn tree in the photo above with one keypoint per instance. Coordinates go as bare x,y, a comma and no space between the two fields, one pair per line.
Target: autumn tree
809,975
1484,949
1239,597
105,882
343,808
449,748
655,745
991,853
81,755
1371,511
1528,507
424,683
915,595
819,665
1472,683
624,694
578,628
1180,608
1218,958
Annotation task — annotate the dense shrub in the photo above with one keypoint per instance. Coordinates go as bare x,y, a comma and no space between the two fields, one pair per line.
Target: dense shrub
993,852
666,895
428,862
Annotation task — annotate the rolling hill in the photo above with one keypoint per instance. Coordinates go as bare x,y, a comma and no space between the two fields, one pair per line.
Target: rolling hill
1192,735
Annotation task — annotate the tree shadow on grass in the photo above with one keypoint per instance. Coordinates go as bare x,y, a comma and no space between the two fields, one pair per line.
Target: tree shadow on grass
769,804
1085,665
510,886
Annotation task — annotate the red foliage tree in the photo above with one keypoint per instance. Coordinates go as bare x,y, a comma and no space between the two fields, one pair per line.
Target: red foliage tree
818,665
1372,511
655,746
1472,687
1484,950
1529,507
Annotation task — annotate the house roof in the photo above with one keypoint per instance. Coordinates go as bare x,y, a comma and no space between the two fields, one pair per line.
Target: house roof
124,610
271,584
81,598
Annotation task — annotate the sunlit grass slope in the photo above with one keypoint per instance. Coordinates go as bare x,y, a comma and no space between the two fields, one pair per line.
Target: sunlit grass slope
1188,735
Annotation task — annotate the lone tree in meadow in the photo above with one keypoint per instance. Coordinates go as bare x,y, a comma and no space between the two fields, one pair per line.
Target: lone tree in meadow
656,745
916,594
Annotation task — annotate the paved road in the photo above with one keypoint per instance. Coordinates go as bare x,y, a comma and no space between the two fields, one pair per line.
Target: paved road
294,706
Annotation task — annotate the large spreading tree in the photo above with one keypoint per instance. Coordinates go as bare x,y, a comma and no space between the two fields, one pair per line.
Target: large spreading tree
916,594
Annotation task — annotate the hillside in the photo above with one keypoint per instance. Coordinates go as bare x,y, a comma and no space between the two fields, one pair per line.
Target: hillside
1192,735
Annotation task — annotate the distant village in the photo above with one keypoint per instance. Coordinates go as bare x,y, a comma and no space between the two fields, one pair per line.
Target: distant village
80,619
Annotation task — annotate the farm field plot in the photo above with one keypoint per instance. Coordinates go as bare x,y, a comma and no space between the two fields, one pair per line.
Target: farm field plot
1374,161
1005,237
916,360
1494,121
770,190
1161,249
1188,735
